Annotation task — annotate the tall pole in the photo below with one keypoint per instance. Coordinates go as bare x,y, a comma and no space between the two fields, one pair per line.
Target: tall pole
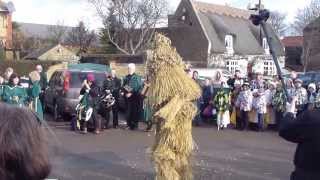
260,19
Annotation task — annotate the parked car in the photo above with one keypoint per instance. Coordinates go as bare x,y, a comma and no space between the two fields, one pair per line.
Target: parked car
62,94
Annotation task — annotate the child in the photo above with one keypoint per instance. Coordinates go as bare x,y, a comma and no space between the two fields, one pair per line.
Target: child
260,105
222,103
270,116
244,103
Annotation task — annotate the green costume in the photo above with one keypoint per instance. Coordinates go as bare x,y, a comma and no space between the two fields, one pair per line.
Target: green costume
35,104
14,95
134,82
222,100
278,101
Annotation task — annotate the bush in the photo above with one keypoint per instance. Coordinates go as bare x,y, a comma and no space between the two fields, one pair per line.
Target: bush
24,67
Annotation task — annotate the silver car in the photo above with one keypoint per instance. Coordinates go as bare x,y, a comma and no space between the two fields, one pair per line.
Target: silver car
62,94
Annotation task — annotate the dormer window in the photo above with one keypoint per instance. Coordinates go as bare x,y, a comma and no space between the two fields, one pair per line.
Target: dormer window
183,18
265,46
229,44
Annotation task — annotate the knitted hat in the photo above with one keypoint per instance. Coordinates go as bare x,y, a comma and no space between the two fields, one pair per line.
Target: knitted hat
90,77
312,85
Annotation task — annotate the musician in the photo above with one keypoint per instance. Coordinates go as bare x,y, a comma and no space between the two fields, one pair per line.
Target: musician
90,92
304,131
34,93
132,85
43,81
112,84
14,94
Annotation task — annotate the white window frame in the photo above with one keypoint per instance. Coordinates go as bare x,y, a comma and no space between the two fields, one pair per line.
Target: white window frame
229,44
265,46
233,65
269,68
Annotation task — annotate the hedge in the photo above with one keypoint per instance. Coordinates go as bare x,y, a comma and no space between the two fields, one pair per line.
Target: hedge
24,67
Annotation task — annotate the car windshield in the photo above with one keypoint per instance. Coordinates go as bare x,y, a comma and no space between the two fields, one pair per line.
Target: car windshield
77,78
305,77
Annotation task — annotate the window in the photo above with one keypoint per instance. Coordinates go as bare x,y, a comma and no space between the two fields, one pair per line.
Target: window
265,46
269,68
232,66
229,44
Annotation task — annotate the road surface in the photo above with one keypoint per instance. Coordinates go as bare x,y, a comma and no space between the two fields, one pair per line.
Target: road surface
123,154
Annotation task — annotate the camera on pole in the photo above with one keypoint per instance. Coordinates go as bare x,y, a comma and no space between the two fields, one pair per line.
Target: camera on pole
260,19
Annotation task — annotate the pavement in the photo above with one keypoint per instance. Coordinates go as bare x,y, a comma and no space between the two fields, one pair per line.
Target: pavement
122,154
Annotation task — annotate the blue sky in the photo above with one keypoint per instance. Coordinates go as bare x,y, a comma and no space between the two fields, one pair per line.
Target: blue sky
71,11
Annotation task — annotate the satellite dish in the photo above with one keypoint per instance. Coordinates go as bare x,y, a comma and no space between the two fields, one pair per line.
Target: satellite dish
10,7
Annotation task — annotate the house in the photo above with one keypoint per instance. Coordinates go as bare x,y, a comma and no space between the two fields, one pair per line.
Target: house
53,53
311,46
6,10
210,35
293,52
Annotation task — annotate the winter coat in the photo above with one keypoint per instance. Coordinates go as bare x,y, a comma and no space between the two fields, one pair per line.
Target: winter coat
244,101
304,131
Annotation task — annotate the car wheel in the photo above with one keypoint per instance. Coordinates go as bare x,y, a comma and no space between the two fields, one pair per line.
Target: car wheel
56,115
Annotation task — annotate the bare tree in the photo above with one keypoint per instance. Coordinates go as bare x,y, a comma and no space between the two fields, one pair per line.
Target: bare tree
130,24
82,37
277,20
57,32
305,16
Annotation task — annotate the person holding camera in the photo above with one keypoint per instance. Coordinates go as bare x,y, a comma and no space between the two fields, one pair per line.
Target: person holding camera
304,130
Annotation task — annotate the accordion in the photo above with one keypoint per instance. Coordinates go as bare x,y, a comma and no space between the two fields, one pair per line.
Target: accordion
107,99
127,89
83,113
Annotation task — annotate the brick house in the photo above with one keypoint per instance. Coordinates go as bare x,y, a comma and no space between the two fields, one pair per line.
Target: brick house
293,52
209,35
311,46
6,10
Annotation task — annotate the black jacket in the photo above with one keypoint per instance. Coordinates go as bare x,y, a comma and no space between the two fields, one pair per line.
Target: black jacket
113,85
305,131
94,95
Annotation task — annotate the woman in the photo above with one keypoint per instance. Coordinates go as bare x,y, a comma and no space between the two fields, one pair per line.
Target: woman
222,102
23,152
7,75
14,94
33,93
90,100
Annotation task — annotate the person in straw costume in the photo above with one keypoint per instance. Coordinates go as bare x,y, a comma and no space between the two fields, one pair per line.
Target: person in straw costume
34,93
172,94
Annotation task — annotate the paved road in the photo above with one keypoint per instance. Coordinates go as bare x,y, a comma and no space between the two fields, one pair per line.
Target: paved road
123,154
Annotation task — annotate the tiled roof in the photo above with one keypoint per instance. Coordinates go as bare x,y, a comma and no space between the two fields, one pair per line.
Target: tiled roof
292,41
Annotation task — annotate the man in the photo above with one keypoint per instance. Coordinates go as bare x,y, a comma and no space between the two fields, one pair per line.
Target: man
304,131
132,84
237,76
43,82
113,84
